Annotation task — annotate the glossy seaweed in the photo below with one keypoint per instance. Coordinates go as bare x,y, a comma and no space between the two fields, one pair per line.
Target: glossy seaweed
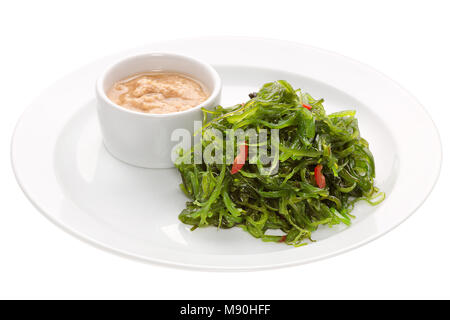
323,166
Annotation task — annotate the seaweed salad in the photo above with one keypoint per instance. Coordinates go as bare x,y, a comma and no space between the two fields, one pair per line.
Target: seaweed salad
319,167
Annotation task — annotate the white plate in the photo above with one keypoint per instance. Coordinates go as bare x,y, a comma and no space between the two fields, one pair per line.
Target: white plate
63,168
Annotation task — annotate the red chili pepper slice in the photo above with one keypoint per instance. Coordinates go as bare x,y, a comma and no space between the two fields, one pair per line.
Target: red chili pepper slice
283,239
320,178
306,106
239,161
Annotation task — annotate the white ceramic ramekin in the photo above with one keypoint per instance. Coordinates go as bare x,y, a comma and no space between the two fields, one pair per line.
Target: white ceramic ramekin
144,139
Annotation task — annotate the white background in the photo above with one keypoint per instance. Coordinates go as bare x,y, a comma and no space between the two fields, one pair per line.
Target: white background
41,41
